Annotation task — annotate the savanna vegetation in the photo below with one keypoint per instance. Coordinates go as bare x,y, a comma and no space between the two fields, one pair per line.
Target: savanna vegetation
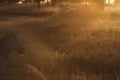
77,45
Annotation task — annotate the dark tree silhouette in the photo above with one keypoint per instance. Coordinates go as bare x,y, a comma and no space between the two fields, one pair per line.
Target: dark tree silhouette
47,2
38,2
53,2
8,1
1,1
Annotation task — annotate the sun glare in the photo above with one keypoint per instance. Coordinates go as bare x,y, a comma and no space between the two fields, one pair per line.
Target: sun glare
110,1
20,2
45,1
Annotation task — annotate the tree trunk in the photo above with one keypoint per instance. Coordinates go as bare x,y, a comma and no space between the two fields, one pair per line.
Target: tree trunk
38,3
47,2
53,2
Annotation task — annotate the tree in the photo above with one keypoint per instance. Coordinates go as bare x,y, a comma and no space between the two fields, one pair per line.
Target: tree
38,2
53,2
8,1
47,2
1,1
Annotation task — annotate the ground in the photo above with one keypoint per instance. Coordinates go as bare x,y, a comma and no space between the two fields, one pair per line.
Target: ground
75,44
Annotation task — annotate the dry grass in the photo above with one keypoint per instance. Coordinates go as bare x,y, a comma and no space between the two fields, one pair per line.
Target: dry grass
88,50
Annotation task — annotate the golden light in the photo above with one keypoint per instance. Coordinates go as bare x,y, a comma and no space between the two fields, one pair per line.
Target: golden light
20,2
85,2
45,1
110,1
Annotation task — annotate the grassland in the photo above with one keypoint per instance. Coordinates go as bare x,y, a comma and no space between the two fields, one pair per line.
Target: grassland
76,47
